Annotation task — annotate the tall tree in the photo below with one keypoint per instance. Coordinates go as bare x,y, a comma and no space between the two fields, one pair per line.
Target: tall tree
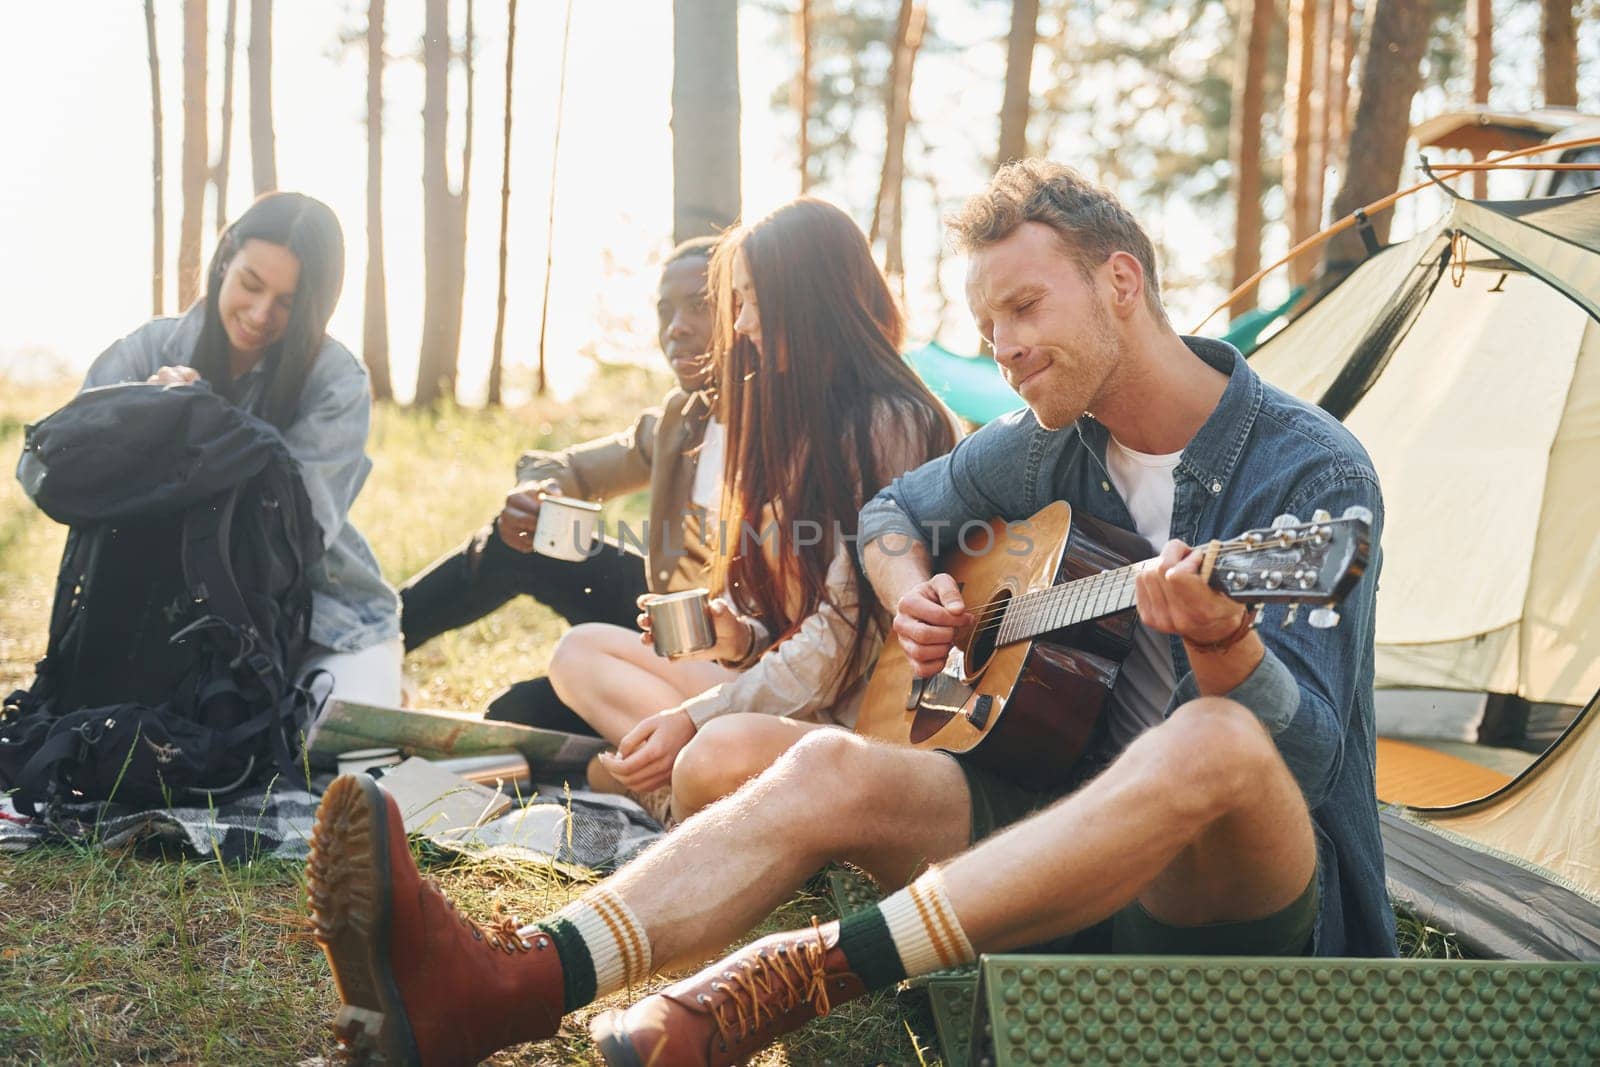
158,245
375,320
1014,106
443,210
888,211
1249,92
1480,30
263,141
802,95
1391,53
1341,53
705,117
194,150
1300,156
1558,37
550,212
219,173
497,359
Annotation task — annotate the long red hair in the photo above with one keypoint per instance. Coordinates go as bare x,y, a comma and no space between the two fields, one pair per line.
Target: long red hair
800,418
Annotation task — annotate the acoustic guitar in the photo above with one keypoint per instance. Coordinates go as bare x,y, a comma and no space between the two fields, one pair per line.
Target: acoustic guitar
1051,601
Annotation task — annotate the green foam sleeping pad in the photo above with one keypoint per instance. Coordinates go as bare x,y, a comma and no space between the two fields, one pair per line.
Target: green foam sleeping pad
1161,1009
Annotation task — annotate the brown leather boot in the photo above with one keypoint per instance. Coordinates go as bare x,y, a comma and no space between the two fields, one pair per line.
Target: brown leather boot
734,1008
422,984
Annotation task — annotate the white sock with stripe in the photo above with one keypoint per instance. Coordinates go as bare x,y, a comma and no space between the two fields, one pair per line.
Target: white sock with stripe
612,937
924,928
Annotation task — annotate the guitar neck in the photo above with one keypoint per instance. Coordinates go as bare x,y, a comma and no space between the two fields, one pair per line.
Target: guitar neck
1291,563
1068,604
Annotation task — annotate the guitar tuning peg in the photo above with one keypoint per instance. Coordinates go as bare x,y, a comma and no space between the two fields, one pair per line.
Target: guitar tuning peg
1323,618
1356,511
1290,615
1285,520
1321,515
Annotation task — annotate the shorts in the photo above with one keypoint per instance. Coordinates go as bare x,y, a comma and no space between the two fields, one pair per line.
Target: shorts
1133,931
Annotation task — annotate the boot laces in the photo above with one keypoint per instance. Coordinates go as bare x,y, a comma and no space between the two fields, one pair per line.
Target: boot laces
765,986
504,934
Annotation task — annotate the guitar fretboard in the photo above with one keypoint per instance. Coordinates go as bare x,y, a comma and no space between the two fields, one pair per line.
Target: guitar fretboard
1044,610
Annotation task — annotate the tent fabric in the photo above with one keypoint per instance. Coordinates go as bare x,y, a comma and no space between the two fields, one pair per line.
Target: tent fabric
1467,360
1548,816
970,385
1306,356
1497,906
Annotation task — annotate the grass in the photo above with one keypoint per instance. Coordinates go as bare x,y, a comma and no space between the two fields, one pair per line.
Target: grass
137,958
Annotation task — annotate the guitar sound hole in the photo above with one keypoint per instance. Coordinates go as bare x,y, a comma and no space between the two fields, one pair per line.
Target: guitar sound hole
985,635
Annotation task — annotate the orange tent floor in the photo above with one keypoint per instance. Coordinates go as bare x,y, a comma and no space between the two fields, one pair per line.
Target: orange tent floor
1419,776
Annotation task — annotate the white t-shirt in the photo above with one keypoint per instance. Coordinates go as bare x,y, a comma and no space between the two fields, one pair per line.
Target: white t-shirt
707,490
1139,699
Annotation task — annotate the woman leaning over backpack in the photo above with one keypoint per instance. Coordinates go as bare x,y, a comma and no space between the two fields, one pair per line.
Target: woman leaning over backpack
259,338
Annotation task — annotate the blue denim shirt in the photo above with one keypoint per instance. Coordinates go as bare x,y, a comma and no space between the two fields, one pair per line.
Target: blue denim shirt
1261,453
352,607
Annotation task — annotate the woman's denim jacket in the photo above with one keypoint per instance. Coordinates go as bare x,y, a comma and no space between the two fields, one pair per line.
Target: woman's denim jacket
351,606
1261,453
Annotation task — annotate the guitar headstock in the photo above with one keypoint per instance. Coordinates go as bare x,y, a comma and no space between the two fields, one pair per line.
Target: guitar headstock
1294,562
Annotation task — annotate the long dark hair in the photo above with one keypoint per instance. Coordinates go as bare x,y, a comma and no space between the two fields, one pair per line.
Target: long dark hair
307,228
801,418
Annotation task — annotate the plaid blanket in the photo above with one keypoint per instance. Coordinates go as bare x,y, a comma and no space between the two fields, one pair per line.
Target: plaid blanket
576,829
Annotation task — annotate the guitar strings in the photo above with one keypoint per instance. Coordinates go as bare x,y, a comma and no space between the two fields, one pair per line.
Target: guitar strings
992,617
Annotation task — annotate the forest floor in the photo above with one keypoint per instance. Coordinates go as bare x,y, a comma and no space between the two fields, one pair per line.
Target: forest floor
127,957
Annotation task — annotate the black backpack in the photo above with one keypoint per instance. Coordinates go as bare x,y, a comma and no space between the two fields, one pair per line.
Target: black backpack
182,607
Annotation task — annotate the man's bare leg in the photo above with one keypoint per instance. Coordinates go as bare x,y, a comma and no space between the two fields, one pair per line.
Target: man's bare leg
1199,820
832,796
727,752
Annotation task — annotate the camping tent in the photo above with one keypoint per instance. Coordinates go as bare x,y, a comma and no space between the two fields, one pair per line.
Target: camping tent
1467,359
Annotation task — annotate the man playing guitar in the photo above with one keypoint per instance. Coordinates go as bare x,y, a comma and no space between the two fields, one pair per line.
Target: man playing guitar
1236,814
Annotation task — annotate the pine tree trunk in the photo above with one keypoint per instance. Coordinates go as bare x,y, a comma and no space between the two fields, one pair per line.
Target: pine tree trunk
497,359
802,93
436,363
550,210
263,142
1322,61
1250,73
705,117
219,173
888,211
458,244
1014,105
1558,38
1391,53
375,320
1341,52
158,245
1480,29
1299,131
194,150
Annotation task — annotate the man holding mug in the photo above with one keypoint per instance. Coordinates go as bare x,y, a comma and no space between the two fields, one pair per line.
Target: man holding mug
662,451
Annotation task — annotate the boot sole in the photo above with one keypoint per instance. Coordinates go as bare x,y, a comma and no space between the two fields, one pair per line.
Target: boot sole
616,1048
350,893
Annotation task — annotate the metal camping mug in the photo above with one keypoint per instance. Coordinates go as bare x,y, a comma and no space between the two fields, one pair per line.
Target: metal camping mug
566,528
680,623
